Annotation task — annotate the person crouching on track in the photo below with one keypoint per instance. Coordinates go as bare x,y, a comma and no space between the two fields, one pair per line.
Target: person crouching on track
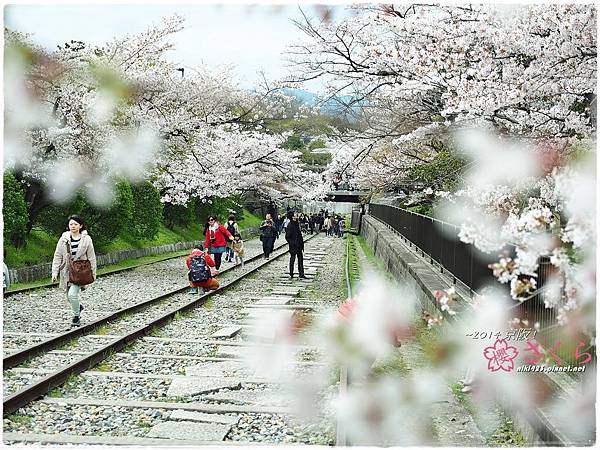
294,238
216,240
199,273
238,249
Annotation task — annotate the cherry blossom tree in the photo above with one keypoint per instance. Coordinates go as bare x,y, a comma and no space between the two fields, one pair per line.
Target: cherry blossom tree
123,110
413,72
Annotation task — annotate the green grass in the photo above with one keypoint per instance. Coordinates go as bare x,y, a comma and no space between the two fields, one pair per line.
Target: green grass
249,220
394,366
104,367
504,435
354,263
19,418
40,248
102,330
155,332
56,393
41,245
70,345
144,424
165,236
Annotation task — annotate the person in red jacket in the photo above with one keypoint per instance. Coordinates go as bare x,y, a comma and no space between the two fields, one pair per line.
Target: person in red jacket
215,240
211,283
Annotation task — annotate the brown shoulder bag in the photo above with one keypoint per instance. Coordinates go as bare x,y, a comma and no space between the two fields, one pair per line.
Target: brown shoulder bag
80,270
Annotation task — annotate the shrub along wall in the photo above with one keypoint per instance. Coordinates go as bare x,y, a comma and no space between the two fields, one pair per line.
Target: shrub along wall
41,271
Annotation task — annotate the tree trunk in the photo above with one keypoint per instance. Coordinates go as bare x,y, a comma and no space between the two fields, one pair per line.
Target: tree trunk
37,199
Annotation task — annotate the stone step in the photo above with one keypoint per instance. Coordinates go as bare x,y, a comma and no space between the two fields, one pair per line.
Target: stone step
266,312
286,292
279,307
195,431
227,332
273,301
272,297
191,416
250,397
263,334
217,369
188,386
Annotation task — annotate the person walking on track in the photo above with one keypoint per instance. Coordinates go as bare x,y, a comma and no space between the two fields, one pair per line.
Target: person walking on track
199,273
233,228
293,236
215,240
268,234
75,262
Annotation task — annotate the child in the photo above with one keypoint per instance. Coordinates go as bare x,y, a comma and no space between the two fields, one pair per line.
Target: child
199,264
238,248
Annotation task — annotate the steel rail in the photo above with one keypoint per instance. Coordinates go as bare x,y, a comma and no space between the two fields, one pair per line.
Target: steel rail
21,356
341,439
29,393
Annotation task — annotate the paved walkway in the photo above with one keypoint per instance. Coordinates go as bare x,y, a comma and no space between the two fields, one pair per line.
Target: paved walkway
452,424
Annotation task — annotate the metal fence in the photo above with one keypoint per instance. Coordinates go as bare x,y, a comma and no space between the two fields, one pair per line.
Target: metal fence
439,241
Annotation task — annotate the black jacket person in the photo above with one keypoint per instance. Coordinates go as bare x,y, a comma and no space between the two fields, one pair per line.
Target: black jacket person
293,236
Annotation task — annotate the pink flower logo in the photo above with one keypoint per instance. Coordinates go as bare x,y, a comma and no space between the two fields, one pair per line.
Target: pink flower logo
500,356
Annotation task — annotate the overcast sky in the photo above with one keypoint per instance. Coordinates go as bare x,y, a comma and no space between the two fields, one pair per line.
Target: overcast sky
251,38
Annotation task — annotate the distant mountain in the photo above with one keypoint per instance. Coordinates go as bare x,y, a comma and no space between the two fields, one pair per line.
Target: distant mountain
331,106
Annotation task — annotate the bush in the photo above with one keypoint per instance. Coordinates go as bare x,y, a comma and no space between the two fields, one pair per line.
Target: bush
14,211
147,211
177,215
424,209
105,224
53,218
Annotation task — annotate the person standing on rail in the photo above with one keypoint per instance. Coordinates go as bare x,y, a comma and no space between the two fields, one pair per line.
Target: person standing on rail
199,265
238,249
268,234
215,240
76,244
327,225
293,236
233,228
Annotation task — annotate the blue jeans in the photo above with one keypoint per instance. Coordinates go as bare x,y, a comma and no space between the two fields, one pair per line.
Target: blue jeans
73,297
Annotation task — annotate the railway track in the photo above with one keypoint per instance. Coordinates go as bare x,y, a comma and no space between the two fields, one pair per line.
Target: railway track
53,333
180,376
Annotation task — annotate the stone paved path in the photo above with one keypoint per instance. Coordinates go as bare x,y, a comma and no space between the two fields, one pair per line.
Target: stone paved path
453,424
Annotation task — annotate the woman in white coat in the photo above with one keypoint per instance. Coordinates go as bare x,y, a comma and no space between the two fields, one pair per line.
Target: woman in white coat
75,243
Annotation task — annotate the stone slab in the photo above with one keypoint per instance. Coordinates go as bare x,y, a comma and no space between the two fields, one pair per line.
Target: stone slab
263,313
274,301
187,386
278,307
232,352
273,297
220,369
286,292
196,431
261,333
227,332
191,416
249,397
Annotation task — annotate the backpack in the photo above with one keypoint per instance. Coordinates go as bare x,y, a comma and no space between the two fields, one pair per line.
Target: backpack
199,271
231,228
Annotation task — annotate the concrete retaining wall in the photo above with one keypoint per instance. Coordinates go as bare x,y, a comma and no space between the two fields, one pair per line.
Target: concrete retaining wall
405,263
40,271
